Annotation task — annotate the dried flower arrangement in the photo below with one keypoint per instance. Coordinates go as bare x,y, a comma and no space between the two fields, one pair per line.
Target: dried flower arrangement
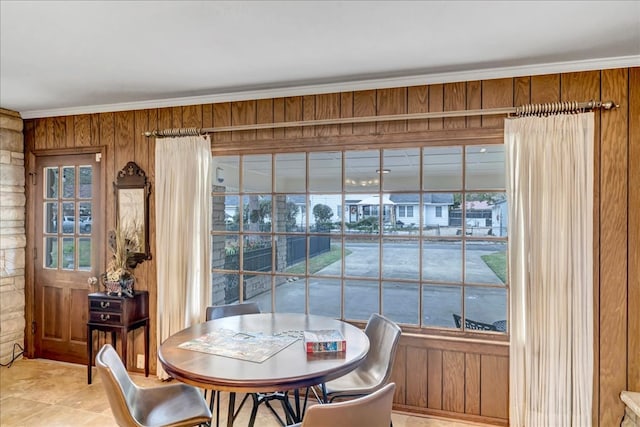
123,242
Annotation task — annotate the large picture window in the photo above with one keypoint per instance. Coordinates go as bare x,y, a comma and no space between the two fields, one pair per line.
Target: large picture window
417,234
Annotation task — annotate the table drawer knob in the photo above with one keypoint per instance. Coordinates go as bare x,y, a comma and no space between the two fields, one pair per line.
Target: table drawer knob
105,316
104,304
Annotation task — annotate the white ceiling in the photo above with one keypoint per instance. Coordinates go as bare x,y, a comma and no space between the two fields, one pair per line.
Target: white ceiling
69,57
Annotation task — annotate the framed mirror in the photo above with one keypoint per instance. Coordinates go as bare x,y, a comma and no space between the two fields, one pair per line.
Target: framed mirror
132,191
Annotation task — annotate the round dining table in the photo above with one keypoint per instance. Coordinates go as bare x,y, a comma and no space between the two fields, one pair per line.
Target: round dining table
290,368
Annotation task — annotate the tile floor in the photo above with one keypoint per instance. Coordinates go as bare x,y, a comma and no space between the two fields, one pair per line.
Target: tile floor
37,392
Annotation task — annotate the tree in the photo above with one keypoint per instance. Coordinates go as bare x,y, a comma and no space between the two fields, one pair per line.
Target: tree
322,213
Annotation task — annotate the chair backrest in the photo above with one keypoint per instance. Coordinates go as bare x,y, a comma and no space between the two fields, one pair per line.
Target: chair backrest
383,337
473,324
372,410
121,391
219,311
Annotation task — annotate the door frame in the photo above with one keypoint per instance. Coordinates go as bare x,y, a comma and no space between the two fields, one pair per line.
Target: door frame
30,195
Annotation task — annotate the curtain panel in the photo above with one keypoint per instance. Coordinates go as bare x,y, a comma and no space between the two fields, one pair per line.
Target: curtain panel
183,206
549,165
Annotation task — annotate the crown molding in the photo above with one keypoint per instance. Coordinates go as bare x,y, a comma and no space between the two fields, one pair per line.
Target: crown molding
367,84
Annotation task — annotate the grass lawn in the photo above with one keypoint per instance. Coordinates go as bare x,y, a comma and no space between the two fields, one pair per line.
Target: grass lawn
497,262
319,262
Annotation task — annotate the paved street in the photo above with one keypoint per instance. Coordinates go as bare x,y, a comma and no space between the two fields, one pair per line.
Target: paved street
400,301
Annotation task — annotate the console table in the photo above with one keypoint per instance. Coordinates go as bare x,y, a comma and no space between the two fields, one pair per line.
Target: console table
118,314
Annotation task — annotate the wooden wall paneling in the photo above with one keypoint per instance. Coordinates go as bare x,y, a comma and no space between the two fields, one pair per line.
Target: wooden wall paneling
472,384
58,132
399,375
496,93
453,378
613,248
69,128
192,116
328,107
521,90
40,134
581,86
494,386
81,130
364,104
124,139
264,114
176,117
474,102
308,113
293,113
95,129
391,101
346,111
243,113
436,104
545,88
207,116
417,102
633,334
455,98
434,379
222,118
278,116
152,287
416,383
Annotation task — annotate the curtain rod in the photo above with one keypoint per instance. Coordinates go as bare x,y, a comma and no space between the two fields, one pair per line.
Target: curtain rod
523,110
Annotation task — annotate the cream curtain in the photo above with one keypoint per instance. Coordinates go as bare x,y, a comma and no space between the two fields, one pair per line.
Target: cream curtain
183,199
549,162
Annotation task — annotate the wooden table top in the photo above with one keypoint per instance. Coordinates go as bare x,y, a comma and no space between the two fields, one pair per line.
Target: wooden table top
288,369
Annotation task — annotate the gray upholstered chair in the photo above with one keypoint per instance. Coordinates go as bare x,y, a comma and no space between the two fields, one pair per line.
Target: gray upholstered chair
172,405
372,410
374,372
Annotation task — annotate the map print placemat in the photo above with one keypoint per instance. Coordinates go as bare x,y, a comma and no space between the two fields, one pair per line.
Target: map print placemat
251,346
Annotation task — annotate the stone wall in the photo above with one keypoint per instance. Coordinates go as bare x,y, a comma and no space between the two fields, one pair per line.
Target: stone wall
12,234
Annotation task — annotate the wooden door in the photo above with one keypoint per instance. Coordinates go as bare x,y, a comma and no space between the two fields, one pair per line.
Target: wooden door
68,218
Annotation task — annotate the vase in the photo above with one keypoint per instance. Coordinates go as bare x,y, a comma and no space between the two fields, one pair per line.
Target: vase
124,286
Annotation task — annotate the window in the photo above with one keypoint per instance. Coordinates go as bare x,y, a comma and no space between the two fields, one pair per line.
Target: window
279,237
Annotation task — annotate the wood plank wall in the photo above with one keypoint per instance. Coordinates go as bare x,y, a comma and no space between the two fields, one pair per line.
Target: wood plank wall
435,375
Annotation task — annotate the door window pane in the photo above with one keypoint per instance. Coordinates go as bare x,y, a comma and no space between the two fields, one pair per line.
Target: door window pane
84,253
86,222
68,253
68,182
51,183
86,182
51,217
68,217
51,252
